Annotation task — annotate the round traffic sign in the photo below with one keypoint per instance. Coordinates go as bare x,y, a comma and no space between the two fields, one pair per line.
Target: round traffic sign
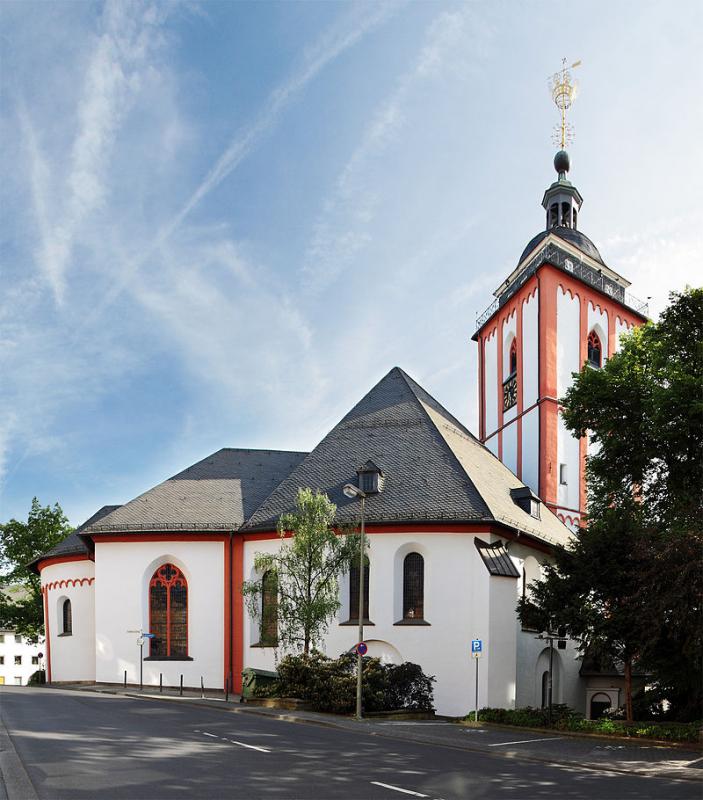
362,648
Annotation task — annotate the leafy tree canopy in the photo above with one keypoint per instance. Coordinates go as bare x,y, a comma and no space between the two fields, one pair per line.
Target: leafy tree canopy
20,543
629,588
310,559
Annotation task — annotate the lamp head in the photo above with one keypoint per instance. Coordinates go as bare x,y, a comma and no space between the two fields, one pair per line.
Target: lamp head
352,491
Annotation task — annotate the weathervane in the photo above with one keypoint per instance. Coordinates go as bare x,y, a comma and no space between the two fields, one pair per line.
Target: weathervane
563,92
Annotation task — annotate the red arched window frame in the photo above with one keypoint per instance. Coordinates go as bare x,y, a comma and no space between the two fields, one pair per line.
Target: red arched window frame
513,357
595,350
168,613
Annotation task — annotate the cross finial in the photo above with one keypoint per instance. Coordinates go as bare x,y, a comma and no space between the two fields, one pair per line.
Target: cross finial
563,92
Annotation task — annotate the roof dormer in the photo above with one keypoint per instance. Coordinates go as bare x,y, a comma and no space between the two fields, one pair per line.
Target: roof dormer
370,478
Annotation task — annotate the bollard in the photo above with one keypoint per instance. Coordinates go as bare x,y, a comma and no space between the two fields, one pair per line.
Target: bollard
181,685
161,681
125,679
202,688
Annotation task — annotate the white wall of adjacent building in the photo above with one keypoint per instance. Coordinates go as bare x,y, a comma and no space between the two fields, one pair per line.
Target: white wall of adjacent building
122,575
19,659
72,653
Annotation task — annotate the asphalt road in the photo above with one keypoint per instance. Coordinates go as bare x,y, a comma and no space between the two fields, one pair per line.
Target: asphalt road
78,746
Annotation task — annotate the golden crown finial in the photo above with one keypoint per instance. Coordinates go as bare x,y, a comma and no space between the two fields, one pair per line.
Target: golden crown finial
563,91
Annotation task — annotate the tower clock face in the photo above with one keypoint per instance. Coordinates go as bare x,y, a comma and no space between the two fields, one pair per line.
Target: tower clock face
510,393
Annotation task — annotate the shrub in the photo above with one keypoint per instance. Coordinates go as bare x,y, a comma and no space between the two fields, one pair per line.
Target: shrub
37,678
330,684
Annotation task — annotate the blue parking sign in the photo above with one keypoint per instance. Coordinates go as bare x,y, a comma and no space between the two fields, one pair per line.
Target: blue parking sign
476,645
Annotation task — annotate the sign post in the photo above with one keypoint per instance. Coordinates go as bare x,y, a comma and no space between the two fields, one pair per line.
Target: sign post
476,649
140,643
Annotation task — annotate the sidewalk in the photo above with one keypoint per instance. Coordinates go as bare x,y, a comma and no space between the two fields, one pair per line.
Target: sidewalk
600,753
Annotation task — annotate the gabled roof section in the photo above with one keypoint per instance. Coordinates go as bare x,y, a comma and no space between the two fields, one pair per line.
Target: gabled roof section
496,559
215,494
389,427
73,544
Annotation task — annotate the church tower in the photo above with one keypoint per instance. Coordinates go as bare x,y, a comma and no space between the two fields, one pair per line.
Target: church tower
561,307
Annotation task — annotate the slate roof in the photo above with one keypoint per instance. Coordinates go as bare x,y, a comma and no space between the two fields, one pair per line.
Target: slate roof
435,469
570,235
73,544
217,493
496,559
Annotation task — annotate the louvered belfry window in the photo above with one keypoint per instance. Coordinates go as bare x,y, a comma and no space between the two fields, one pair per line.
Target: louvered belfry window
413,586
269,608
168,613
354,591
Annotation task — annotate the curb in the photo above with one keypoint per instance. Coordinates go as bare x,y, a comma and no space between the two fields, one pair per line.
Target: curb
13,776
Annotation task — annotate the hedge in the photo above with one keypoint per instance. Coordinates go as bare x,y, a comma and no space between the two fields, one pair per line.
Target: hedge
566,719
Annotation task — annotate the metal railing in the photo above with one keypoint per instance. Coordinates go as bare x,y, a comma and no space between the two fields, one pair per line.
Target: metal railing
568,263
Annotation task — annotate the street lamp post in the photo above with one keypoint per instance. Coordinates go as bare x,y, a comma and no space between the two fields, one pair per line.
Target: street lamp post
353,491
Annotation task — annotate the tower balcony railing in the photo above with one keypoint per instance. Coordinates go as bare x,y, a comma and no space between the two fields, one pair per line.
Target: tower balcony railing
565,261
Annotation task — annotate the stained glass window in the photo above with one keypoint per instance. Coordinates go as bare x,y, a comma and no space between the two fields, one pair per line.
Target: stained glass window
595,350
413,586
269,608
67,617
354,591
168,613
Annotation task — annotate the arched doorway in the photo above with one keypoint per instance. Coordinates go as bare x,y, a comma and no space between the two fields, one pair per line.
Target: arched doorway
600,703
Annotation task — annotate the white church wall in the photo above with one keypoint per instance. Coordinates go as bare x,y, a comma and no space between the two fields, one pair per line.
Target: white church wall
530,351
568,455
500,661
510,446
620,327
568,362
457,601
568,339
492,445
529,649
530,449
72,656
490,380
122,574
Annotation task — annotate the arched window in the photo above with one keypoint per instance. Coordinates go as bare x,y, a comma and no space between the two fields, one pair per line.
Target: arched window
513,357
545,688
413,586
168,613
269,609
595,352
66,618
354,591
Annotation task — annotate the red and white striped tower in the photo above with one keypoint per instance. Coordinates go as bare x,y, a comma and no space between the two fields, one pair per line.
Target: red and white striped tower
562,307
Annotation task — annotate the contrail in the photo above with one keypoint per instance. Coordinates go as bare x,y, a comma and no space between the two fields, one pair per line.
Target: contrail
332,44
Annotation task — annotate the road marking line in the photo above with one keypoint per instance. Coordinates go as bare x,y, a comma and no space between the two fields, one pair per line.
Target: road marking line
250,746
205,733
398,789
526,741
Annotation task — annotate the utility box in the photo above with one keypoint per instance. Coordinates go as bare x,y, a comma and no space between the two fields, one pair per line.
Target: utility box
253,678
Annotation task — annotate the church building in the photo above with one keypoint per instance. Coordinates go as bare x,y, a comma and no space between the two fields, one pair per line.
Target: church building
457,525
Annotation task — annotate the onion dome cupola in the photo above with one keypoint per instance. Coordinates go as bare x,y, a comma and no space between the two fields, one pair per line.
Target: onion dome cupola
562,201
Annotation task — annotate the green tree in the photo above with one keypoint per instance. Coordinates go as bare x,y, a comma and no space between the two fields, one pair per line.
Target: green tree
20,543
631,587
310,559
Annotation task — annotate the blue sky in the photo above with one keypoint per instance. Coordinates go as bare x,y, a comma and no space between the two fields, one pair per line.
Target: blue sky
222,223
